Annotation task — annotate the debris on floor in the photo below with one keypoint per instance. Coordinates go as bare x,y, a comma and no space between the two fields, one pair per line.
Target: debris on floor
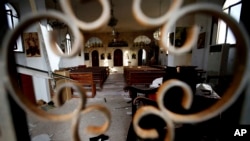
41,137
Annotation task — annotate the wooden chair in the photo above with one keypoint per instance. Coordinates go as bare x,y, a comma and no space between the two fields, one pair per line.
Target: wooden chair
84,79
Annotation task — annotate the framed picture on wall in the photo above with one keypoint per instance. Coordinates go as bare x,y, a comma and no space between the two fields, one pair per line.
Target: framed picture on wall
109,56
201,40
133,56
86,56
178,37
31,44
102,56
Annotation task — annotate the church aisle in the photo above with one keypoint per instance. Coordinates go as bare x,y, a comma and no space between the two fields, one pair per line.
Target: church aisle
111,96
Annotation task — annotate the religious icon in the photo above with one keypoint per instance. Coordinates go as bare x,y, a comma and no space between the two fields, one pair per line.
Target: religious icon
109,56
31,44
133,56
201,40
102,56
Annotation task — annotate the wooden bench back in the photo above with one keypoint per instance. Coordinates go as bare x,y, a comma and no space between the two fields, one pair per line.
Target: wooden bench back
100,74
82,77
143,77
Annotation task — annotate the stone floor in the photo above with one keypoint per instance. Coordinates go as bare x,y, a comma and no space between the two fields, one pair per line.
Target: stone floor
111,96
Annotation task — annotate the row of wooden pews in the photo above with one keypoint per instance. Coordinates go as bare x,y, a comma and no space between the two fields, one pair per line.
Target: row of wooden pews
86,76
142,75
100,74
85,80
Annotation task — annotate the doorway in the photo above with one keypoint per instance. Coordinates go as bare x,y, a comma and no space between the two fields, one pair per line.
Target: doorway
141,57
95,58
118,58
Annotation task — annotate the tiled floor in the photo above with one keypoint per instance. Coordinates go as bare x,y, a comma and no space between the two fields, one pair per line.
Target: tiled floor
111,96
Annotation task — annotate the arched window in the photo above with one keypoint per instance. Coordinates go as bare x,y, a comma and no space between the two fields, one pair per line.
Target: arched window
13,20
68,43
224,34
144,54
12,15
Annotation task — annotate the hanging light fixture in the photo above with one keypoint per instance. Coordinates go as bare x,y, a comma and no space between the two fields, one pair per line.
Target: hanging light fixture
157,33
112,23
55,23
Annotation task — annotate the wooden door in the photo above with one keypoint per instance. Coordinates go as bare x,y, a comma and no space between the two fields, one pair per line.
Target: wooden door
118,58
140,57
95,58
26,83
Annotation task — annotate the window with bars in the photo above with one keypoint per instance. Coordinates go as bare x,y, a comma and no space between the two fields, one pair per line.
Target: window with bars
13,20
68,43
224,33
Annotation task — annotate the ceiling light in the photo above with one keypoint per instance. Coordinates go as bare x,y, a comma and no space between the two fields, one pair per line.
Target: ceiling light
112,23
157,34
55,23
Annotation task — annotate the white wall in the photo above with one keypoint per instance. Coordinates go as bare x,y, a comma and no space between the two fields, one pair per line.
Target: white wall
180,60
40,84
199,56
184,59
52,58
58,62
71,62
163,58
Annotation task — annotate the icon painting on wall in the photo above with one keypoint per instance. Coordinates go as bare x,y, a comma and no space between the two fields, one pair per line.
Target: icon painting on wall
201,40
86,56
102,56
31,44
109,56
133,56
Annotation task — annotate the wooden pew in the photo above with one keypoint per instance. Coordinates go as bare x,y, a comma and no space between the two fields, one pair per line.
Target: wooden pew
100,74
142,75
67,94
84,79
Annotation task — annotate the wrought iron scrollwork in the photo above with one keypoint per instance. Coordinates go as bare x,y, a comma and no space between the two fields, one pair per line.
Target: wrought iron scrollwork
234,89
11,84
167,21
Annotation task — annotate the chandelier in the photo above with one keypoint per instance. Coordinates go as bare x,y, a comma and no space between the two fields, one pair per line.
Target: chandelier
56,24
157,33
112,23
